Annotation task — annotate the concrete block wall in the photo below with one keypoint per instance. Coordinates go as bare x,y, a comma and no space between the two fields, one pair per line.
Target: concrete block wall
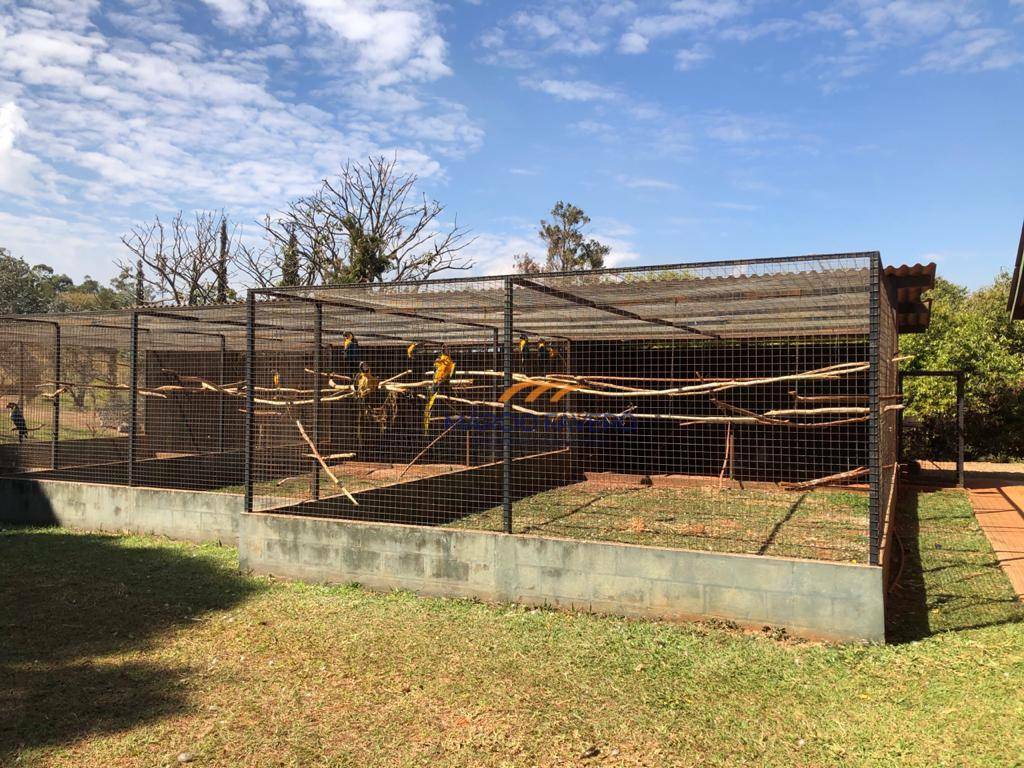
186,515
832,601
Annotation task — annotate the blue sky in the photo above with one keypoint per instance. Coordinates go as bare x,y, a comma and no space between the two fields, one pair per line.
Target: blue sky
687,129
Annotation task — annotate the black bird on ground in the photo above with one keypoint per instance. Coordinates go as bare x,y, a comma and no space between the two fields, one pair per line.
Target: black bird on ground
18,420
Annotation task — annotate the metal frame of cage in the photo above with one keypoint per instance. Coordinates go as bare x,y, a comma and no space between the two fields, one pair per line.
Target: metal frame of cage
215,340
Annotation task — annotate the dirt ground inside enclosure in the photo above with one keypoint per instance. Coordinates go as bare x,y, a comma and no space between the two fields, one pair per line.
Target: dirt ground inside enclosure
823,524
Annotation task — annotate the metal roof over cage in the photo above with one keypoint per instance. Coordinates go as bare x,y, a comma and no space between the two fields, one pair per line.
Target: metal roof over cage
756,298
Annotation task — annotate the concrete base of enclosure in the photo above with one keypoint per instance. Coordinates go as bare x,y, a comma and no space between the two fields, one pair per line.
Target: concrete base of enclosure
817,599
185,515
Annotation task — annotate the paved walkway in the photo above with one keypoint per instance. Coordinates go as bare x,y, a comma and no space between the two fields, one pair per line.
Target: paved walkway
997,495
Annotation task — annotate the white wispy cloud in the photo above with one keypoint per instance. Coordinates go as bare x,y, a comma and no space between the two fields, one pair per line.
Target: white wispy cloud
680,16
690,58
240,13
571,90
971,50
852,37
646,183
119,112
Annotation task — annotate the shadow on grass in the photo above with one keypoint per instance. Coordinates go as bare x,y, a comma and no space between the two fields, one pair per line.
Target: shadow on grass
946,577
70,602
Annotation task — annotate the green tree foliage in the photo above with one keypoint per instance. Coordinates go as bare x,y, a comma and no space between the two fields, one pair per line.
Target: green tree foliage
970,331
568,247
290,267
35,289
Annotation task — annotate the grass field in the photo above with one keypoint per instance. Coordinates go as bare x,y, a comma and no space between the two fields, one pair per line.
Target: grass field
129,651
820,524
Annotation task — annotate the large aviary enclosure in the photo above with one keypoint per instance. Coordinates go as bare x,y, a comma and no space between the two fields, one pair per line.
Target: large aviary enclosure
742,406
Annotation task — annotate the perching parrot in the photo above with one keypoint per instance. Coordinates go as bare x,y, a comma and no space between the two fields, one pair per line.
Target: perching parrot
18,419
444,369
524,346
366,383
350,348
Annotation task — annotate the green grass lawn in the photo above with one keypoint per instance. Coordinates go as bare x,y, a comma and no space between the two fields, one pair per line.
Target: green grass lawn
820,524
126,651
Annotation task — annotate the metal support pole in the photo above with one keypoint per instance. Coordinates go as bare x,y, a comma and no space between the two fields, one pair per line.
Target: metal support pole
506,420
133,399
21,375
874,417
960,429
250,416
55,438
900,458
221,397
494,395
318,337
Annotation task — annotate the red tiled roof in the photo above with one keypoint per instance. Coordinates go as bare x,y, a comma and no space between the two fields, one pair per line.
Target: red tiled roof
906,284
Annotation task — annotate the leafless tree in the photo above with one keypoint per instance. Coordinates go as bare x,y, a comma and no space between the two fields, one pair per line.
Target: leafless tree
183,262
368,224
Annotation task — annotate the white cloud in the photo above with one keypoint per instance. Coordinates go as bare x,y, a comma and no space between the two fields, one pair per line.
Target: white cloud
137,128
686,16
572,90
633,42
240,13
21,174
387,35
971,50
494,253
690,58
745,207
895,20
646,183
67,243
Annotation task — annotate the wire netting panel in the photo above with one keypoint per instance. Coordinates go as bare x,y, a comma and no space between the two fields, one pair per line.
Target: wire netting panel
720,406
407,380
889,405
95,398
717,407
27,368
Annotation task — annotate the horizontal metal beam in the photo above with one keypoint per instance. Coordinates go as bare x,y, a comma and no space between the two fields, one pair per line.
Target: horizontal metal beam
609,308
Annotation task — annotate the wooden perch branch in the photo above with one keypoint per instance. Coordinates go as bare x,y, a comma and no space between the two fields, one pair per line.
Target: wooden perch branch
706,387
429,446
827,398
320,460
818,412
839,477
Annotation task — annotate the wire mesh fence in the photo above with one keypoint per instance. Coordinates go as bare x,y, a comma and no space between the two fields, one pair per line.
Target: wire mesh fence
733,406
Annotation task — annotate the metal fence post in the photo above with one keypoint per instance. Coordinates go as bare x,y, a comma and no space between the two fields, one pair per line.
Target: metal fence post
250,376
506,419
221,399
960,429
21,376
874,418
318,335
495,394
133,399
55,439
